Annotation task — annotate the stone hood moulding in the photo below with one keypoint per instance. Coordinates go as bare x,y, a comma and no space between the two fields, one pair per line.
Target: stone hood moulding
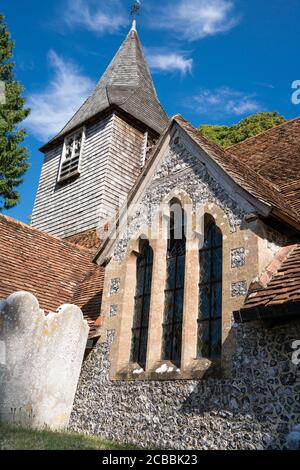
40,363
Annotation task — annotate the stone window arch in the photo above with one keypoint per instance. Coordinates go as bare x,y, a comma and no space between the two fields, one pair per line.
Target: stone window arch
210,292
190,364
140,327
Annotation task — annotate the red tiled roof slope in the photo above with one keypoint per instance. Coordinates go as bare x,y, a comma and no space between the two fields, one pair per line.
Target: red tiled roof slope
88,239
275,155
88,297
284,286
256,185
50,268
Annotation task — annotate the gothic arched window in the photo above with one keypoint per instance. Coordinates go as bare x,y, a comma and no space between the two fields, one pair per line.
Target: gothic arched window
210,293
174,292
142,304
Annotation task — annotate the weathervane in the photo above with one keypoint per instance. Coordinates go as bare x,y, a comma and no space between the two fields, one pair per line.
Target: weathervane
135,9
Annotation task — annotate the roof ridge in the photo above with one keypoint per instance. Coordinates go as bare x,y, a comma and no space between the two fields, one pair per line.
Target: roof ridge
48,267
178,119
145,63
49,235
270,186
276,285
271,271
289,121
204,137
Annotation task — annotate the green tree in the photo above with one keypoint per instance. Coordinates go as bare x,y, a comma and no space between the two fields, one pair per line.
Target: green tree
253,125
13,157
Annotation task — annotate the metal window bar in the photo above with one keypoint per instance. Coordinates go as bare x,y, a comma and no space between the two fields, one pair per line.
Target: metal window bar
210,319
176,249
137,352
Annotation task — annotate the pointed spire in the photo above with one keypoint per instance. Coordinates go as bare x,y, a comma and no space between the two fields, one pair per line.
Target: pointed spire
127,84
133,27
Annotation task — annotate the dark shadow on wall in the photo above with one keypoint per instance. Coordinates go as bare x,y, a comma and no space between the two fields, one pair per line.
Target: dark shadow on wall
263,386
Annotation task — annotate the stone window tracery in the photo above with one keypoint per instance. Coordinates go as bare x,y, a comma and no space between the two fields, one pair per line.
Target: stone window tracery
184,339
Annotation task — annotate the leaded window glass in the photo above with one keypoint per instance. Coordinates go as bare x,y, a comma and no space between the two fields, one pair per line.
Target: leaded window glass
174,292
142,304
210,294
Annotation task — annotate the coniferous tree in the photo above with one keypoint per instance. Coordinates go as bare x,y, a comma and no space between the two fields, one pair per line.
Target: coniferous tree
13,157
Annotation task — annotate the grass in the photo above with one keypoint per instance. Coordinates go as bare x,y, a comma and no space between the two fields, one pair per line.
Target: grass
16,438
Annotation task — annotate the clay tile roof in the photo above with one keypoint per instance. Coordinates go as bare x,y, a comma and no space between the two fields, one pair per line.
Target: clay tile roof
275,155
88,297
247,178
284,286
88,239
274,179
54,270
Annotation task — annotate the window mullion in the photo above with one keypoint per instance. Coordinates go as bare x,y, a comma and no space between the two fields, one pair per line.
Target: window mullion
73,148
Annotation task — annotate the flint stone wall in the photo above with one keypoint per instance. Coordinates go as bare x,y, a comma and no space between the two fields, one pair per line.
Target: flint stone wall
255,409
182,171
41,358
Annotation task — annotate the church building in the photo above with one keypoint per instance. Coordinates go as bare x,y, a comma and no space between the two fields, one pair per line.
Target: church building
185,260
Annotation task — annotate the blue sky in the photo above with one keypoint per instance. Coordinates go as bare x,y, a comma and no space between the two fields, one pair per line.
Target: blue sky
213,61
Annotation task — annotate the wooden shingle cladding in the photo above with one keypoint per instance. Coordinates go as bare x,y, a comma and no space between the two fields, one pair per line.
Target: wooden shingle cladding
120,121
110,165
127,84
124,162
55,271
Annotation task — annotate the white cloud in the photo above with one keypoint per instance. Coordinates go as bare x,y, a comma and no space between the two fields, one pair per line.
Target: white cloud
169,61
98,16
196,19
60,99
225,102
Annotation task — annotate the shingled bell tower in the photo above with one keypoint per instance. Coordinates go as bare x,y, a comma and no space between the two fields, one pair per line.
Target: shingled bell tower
96,158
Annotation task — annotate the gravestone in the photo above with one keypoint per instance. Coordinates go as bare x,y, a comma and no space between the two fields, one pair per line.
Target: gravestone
40,361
